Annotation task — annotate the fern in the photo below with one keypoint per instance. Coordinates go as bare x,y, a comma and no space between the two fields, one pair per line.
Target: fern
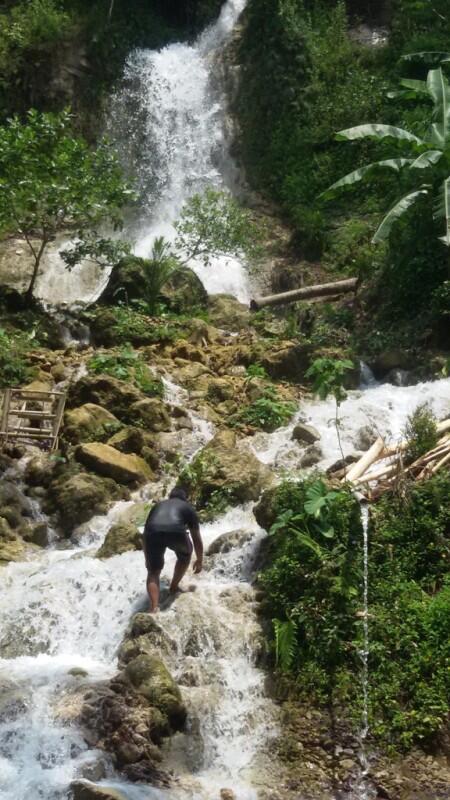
285,643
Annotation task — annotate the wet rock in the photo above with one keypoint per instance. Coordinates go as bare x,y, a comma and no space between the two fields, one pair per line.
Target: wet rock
128,440
89,422
305,433
145,637
227,794
85,790
364,438
35,534
150,678
288,361
399,377
389,359
184,291
12,547
220,389
77,497
221,467
152,412
228,313
228,541
312,455
121,538
110,463
104,390
38,471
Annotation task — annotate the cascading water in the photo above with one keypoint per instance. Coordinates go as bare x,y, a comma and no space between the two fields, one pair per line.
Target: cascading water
168,119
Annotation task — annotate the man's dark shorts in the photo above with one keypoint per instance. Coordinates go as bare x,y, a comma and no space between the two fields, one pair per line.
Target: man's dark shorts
155,543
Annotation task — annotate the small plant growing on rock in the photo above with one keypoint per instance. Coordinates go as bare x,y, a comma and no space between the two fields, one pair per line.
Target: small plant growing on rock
268,412
256,371
328,376
126,365
420,432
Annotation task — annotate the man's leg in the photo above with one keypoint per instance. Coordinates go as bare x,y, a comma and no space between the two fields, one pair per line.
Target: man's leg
153,589
180,570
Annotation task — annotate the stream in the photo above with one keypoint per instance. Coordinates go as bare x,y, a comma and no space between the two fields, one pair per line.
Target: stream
63,613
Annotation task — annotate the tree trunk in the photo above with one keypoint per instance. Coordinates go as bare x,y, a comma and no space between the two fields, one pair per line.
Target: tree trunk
37,261
305,293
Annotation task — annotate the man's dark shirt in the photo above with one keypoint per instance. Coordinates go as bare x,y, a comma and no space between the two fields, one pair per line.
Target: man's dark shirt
172,516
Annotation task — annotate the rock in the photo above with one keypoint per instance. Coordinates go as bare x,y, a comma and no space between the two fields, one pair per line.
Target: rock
287,361
312,455
220,389
104,390
59,372
255,389
110,463
35,534
127,280
228,313
128,440
305,433
228,541
38,471
121,538
364,438
145,637
389,359
78,497
149,676
201,334
221,468
89,422
153,413
183,291
227,794
188,352
12,547
399,377
85,790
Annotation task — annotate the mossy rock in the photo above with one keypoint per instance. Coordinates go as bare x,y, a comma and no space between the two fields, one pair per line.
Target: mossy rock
226,312
89,422
12,547
121,538
152,413
110,463
77,496
128,440
287,361
183,291
150,678
103,390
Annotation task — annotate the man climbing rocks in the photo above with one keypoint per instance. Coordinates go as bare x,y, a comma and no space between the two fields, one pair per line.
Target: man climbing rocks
167,526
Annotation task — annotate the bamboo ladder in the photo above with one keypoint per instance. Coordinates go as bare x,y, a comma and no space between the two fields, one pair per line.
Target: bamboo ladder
31,415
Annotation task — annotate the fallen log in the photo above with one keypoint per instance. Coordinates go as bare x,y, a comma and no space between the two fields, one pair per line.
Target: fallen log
398,448
305,293
358,469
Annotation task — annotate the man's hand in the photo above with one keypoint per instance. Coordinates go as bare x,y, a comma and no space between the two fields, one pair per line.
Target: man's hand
198,565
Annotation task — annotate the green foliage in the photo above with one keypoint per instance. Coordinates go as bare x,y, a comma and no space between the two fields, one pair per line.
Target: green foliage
268,412
127,365
124,325
50,181
157,271
256,371
213,224
14,366
328,376
420,432
285,633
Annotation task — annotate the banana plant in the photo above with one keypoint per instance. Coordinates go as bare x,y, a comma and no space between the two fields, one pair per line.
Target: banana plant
427,160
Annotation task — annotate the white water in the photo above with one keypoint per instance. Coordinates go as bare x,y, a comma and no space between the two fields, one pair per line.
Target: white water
168,119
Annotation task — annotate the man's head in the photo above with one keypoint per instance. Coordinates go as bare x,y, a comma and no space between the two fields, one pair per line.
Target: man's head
178,492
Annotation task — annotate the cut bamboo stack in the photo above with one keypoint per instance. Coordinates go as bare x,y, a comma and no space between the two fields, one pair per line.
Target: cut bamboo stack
374,480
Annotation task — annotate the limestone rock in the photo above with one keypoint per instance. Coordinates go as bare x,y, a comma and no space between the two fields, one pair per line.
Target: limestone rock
76,497
12,547
228,541
153,413
305,433
287,361
85,790
150,678
88,422
128,440
145,637
183,291
221,467
105,460
201,334
389,359
104,390
121,538
312,455
228,313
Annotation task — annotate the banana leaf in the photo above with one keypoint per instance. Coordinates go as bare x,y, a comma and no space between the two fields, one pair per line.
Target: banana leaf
376,131
439,90
427,159
359,174
428,57
442,209
396,212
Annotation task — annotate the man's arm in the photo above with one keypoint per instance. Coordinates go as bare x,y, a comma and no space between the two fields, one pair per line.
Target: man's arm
198,547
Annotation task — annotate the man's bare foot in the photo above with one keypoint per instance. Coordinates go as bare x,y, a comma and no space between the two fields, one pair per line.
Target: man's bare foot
182,589
154,610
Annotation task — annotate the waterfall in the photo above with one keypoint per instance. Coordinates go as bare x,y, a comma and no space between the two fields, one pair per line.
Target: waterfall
168,119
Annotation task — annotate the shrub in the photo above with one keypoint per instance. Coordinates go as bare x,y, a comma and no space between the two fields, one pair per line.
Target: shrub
14,366
420,432
128,365
268,412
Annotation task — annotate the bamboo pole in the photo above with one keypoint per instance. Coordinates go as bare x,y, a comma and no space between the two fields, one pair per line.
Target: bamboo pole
305,293
365,462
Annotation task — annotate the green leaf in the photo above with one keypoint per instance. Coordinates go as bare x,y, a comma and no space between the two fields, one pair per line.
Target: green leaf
395,213
442,209
379,132
439,90
285,641
427,159
358,175
428,57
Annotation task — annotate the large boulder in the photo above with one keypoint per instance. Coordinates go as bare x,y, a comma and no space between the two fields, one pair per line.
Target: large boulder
77,497
110,463
89,422
305,434
128,440
150,678
222,469
228,313
126,280
288,361
103,390
85,790
121,538
152,413
183,291
229,541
